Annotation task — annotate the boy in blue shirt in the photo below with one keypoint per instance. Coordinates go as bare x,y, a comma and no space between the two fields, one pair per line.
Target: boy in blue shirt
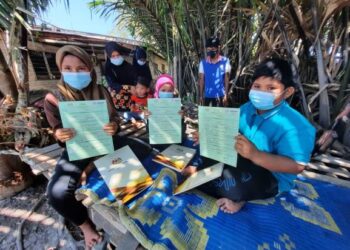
274,145
214,73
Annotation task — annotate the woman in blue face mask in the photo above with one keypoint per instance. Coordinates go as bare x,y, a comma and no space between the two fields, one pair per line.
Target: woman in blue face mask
120,75
78,83
140,64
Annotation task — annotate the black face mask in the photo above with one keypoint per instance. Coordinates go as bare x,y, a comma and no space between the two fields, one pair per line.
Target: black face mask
212,53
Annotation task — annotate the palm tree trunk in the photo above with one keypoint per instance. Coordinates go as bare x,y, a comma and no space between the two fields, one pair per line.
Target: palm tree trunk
324,115
293,56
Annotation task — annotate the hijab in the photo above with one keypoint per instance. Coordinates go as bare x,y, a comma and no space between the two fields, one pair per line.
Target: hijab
141,70
93,91
163,79
112,46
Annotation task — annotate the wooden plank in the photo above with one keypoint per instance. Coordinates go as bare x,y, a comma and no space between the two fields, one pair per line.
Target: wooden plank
48,174
45,166
40,47
43,84
127,242
128,131
321,167
140,132
108,219
40,158
125,126
44,150
326,178
332,160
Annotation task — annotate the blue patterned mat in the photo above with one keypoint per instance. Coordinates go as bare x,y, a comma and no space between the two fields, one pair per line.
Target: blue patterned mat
314,215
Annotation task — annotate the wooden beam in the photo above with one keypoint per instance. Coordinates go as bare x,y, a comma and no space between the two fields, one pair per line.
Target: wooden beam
44,150
47,65
43,84
108,219
40,47
322,167
332,160
326,178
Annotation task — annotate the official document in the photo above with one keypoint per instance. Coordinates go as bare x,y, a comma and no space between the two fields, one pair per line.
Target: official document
88,119
123,173
164,121
217,129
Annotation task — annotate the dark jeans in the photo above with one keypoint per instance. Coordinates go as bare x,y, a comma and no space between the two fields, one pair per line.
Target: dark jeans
214,102
244,183
66,179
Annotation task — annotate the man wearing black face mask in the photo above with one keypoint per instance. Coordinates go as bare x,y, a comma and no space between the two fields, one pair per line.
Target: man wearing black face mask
214,73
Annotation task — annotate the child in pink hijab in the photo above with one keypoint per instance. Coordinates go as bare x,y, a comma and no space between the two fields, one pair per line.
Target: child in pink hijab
165,87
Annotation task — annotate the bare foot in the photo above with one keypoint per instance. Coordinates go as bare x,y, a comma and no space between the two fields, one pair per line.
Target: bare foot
228,206
91,236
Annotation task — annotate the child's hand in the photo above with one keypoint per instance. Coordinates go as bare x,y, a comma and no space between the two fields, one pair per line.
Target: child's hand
195,137
132,90
181,113
245,148
110,128
64,134
189,170
147,113
225,100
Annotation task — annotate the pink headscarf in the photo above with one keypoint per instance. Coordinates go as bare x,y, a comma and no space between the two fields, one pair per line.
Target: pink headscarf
163,79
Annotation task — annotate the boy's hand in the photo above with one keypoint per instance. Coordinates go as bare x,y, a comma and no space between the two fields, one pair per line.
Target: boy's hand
245,148
64,134
110,128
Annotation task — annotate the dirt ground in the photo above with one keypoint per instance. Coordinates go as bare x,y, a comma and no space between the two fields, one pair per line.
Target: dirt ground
43,229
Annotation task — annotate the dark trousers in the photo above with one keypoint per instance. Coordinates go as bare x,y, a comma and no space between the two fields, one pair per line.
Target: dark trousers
214,102
66,179
62,186
244,183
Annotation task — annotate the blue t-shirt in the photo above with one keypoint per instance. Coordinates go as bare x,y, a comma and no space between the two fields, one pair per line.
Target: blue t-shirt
214,77
281,131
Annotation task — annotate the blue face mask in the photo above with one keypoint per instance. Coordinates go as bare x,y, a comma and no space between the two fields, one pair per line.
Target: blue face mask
263,100
117,61
141,63
77,80
163,94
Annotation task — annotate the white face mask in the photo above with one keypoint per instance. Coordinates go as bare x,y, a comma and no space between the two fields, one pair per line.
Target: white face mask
141,63
117,61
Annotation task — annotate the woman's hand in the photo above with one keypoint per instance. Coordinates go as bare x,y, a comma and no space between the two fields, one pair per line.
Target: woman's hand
64,134
110,128
195,137
245,148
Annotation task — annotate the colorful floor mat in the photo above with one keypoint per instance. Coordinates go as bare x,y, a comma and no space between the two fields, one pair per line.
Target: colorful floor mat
314,215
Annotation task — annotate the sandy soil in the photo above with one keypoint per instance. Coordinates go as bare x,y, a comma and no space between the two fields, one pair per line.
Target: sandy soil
43,229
